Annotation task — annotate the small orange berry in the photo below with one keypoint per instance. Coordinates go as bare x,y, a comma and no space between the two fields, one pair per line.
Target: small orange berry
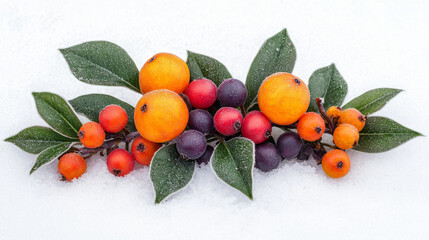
311,126
91,135
354,117
336,163
113,118
143,150
71,166
334,112
346,136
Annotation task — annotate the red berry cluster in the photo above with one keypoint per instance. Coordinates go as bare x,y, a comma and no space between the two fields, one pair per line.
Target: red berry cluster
108,134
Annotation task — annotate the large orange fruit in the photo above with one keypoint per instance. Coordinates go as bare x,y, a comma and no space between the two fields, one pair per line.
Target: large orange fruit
164,71
283,98
161,115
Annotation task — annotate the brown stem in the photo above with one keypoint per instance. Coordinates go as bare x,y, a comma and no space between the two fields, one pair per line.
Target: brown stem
243,110
319,103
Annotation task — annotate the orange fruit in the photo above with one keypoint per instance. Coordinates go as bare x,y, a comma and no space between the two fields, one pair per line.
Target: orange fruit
91,135
336,163
311,126
283,98
334,112
346,136
143,150
354,117
161,115
164,71
71,165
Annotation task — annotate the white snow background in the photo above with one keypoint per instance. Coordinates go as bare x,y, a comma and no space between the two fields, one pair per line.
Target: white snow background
373,44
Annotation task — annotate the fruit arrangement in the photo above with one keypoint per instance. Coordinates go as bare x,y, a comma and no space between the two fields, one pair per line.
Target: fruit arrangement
193,113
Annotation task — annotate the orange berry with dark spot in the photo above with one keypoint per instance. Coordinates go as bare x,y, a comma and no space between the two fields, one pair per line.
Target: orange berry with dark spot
113,118
336,163
143,150
334,112
283,98
354,117
311,126
161,115
71,166
164,71
91,135
346,136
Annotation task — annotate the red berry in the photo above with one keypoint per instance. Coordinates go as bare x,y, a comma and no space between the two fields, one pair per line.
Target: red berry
120,162
201,93
256,127
113,118
228,121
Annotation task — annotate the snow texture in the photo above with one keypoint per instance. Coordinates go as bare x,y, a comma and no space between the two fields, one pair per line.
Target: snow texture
372,43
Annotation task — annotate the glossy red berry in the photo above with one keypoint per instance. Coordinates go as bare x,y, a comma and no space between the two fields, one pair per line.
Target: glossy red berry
228,121
256,127
113,118
201,93
120,162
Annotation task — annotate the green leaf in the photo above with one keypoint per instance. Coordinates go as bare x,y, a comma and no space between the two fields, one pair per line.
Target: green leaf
233,161
327,83
277,54
57,113
201,66
50,154
102,63
381,134
373,100
169,172
91,105
36,139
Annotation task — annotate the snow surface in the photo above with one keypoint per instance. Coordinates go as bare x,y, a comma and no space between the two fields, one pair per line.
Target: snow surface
373,44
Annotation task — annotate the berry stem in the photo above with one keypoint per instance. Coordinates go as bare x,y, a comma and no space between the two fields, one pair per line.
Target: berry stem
319,103
243,110
328,145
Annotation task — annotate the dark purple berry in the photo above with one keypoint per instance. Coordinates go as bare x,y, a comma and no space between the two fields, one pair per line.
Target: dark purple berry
289,144
205,158
191,144
201,120
231,93
267,156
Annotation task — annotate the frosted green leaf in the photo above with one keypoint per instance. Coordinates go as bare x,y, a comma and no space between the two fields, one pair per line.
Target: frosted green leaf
233,162
277,54
373,100
327,83
36,139
57,113
169,172
201,66
381,134
50,154
102,63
